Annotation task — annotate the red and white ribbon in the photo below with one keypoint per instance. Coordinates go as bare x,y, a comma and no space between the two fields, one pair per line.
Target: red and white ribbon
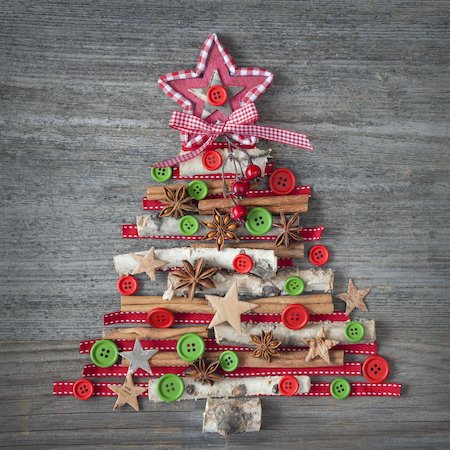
129,231
211,345
119,317
348,369
239,125
65,388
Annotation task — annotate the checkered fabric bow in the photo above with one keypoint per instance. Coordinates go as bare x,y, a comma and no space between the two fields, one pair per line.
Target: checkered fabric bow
239,126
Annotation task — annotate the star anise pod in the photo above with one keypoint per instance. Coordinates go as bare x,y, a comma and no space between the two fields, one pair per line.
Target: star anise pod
266,347
195,276
204,372
178,202
289,230
220,228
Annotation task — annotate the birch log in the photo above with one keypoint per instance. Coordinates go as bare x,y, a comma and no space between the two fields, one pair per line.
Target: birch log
318,280
264,261
225,334
286,360
296,249
153,225
194,166
230,387
314,303
232,415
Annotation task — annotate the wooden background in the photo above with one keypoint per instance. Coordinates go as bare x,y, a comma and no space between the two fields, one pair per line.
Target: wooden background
82,118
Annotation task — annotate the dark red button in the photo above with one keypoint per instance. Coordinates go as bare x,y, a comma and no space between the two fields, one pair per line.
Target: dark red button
282,181
217,95
318,255
83,389
242,263
127,285
211,160
160,318
288,385
295,316
375,369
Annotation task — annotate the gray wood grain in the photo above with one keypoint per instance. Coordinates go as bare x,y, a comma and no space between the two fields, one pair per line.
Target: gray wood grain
82,118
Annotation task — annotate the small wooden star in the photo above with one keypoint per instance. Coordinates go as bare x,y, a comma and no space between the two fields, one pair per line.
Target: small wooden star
229,308
127,393
147,264
354,298
319,346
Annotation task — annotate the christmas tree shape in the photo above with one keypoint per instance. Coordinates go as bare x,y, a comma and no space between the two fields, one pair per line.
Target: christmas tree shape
238,319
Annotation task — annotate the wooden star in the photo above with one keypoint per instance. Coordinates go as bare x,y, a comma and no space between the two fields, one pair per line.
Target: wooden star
147,264
127,393
229,308
354,298
319,346
139,358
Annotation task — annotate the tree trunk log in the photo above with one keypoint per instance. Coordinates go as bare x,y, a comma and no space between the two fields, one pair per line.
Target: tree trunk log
232,415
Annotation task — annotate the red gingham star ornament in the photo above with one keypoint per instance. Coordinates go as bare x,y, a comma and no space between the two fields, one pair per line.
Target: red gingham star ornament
195,90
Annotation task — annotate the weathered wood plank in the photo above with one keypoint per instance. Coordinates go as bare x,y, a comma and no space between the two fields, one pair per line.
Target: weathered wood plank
81,118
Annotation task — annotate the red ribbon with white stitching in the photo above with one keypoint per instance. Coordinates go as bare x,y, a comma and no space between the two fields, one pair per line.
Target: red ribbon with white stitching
241,122
317,389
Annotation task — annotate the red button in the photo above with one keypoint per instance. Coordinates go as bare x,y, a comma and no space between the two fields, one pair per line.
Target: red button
211,160
288,385
217,95
375,369
318,255
242,263
295,316
160,318
127,285
282,181
83,389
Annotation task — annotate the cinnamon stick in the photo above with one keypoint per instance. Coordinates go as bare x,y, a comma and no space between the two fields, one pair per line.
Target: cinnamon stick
295,249
214,187
314,303
153,333
289,360
275,204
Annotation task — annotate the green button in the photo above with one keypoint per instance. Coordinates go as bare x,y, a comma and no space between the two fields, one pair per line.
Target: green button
197,189
190,347
169,387
340,388
354,331
188,225
294,285
104,353
259,221
161,174
229,360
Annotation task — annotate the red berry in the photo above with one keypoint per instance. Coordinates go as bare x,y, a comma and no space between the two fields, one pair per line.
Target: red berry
240,187
238,212
253,171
